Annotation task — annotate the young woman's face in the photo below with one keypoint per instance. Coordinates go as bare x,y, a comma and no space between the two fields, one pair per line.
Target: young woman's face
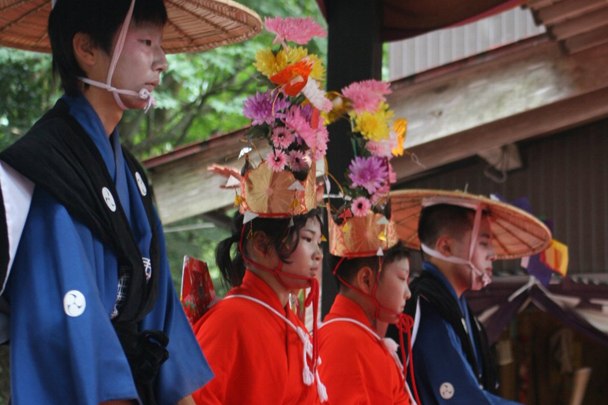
393,289
306,260
141,62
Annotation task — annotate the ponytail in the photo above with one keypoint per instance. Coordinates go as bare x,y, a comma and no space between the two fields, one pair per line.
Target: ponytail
231,268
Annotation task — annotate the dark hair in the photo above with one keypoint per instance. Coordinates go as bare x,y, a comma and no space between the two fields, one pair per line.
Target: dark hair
282,235
444,218
350,267
100,19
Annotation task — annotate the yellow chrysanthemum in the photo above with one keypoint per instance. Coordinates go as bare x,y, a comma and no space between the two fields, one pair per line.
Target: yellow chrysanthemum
293,54
269,64
318,70
374,126
339,107
400,127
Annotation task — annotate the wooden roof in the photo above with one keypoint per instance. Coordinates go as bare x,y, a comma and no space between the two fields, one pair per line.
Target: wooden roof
576,24
403,19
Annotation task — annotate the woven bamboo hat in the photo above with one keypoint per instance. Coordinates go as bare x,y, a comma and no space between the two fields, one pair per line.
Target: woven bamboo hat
515,233
193,25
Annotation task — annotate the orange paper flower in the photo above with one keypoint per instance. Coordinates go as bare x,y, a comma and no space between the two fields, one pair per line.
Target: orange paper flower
294,77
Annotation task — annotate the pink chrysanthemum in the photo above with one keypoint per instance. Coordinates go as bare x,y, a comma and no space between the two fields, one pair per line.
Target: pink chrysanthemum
382,148
321,145
368,172
366,95
296,121
298,161
276,160
392,176
360,206
298,30
282,137
380,193
259,109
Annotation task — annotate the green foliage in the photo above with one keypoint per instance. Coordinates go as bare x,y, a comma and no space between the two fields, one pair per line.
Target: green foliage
199,243
27,91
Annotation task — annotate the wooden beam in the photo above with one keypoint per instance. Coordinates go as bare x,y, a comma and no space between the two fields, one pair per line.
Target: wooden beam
454,99
486,101
567,9
538,4
183,187
582,24
587,40
544,120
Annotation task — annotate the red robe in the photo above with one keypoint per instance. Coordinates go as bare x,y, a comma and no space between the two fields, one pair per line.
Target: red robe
255,356
356,367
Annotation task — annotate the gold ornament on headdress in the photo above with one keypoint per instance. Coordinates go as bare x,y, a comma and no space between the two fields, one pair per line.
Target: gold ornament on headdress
361,236
269,193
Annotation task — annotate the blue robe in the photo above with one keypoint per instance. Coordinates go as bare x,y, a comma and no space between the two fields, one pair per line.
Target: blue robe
62,292
443,373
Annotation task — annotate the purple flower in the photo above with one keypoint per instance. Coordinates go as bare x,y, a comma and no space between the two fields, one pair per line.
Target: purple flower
259,109
368,172
281,105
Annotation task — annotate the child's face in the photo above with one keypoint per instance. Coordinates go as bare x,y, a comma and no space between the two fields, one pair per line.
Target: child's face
306,260
483,252
393,289
141,62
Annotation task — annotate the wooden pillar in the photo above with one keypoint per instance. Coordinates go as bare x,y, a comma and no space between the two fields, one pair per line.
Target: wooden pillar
354,53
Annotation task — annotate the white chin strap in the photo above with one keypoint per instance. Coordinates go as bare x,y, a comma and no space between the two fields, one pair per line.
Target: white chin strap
479,278
144,93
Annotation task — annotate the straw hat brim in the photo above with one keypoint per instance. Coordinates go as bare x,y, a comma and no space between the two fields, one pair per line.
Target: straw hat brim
193,25
515,233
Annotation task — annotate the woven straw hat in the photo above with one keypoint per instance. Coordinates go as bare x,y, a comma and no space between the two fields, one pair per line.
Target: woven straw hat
515,233
193,25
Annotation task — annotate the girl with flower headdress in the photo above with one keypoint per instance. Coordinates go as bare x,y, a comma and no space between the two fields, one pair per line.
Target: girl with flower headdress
360,365
258,348
94,317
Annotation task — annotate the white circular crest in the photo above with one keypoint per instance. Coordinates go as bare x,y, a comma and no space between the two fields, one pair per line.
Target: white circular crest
446,390
108,198
74,303
140,183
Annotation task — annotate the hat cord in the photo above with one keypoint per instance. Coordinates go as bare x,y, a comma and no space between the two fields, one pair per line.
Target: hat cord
475,271
143,93
311,298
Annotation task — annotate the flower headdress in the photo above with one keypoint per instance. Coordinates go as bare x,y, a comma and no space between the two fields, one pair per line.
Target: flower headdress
288,116
361,226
